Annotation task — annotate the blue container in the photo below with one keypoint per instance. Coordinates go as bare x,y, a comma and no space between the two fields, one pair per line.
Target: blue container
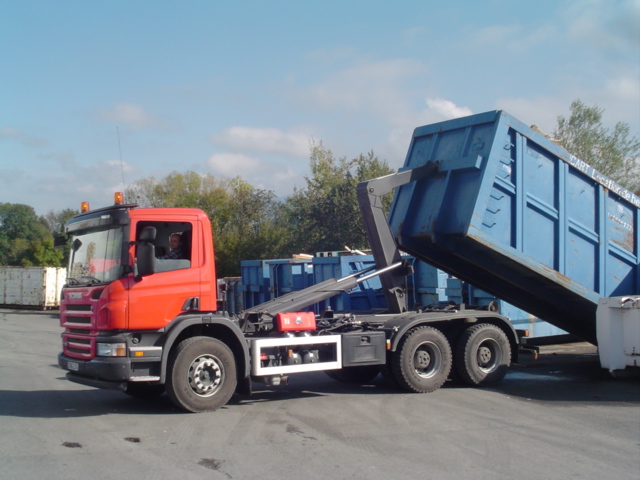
516,215
426,285
287,275
255,282
366,296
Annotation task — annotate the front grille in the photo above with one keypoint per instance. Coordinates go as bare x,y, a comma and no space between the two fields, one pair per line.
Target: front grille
76,350
74,319
79,316
81,331
79,308
78,347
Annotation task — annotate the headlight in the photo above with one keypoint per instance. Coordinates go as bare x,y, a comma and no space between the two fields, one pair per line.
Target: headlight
112,349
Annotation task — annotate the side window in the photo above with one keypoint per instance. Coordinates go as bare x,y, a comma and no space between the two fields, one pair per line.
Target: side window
172,244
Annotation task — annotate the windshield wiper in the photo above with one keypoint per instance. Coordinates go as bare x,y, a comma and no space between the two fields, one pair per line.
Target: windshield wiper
91,279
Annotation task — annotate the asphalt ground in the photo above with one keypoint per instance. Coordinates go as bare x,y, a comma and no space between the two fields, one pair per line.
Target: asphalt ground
557,417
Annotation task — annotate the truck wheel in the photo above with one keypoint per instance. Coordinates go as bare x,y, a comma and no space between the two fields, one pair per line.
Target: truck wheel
144,390
359,375
483,355
423,360
201,374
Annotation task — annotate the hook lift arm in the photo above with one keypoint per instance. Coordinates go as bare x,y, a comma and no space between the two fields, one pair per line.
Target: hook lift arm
381,239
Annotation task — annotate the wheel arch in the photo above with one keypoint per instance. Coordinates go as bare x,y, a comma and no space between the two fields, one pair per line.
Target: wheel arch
212,326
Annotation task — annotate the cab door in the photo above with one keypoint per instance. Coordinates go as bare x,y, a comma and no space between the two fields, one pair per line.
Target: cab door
155,300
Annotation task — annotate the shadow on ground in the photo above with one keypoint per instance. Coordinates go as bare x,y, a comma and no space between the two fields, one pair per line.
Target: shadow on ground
555,377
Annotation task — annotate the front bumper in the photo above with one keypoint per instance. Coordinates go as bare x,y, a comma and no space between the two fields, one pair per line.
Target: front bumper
107,373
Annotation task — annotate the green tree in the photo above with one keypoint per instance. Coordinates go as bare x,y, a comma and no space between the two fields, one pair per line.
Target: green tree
251,228
615,153
325,216
55,222
24,238
42,253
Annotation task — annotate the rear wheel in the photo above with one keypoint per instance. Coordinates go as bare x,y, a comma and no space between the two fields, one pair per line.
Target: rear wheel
201,375
483,355
359,375
423,360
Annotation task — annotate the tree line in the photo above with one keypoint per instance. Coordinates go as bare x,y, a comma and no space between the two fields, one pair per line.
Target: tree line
322,215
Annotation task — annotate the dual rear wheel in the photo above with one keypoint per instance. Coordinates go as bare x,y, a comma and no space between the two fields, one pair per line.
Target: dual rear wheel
424,358
483,355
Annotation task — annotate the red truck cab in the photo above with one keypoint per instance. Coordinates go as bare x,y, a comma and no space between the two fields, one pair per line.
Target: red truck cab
117,311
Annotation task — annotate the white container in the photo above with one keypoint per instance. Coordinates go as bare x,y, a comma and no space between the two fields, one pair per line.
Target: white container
36,287
618,331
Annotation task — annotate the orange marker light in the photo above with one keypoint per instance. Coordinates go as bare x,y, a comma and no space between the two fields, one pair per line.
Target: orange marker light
118,198
84,207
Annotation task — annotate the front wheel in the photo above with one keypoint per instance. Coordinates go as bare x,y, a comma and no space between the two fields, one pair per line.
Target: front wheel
423,360
483,355
201,375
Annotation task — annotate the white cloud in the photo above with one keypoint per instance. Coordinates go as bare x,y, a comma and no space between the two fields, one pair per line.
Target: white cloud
233,164
447,108
264,140
132,115
263,173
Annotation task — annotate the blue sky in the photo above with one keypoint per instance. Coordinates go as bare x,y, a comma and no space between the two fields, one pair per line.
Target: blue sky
89,89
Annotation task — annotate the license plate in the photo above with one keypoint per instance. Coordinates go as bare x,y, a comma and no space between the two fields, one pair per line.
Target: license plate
74,366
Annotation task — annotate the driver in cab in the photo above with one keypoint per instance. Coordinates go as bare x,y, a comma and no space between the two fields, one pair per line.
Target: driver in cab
176,252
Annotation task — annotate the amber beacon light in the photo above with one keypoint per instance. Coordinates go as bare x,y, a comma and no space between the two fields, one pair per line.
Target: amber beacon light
118,198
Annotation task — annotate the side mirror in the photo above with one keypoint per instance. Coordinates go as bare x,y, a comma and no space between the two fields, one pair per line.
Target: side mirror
146,253
146,259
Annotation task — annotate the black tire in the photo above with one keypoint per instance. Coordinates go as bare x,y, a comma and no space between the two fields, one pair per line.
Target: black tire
359,375
201,374
483,355
144,390
422,361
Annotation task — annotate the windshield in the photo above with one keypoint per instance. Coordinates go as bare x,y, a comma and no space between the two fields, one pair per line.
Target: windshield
95,256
